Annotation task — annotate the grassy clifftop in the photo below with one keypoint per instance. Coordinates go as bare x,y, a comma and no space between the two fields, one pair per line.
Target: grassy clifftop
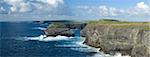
121,24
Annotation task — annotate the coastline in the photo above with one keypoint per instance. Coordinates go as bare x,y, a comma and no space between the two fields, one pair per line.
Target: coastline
113,36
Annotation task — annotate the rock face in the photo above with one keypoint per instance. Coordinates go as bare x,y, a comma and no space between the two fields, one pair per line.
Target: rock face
128,41
64,29
59,31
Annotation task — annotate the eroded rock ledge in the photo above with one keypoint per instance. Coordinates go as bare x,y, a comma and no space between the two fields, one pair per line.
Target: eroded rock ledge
127,38
65,29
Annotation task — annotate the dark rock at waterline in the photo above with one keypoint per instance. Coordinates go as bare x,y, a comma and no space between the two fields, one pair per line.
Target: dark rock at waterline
59,31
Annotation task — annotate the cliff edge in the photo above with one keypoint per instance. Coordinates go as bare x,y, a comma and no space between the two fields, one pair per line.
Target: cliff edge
128,38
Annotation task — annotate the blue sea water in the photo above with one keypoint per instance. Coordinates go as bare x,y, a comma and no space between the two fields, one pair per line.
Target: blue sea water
13,43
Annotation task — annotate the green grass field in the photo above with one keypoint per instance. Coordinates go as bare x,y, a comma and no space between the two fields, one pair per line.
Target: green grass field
121,24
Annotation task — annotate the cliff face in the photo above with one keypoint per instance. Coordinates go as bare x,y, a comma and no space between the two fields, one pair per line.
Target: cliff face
59,31
128,41
64,29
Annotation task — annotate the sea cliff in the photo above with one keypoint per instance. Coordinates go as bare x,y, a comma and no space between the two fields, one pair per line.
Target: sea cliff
111,36
128,38
65,29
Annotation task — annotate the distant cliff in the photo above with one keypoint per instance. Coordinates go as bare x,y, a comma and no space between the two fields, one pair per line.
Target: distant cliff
64,28
128,38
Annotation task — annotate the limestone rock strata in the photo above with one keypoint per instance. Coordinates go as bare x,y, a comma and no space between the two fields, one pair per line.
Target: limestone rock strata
128,41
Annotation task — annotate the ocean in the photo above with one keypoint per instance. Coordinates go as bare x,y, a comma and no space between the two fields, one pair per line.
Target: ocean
24,39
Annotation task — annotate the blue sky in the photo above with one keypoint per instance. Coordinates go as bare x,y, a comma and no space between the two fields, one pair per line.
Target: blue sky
113,3
28,10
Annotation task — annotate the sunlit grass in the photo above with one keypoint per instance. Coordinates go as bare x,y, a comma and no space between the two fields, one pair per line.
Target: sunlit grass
121,24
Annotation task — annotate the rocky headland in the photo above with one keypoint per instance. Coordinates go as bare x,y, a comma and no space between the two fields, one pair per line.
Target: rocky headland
111,36
64,28
128,38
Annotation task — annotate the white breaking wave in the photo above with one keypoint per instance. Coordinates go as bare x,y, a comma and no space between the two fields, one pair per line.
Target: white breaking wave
101,54
44,38
77,45
40,28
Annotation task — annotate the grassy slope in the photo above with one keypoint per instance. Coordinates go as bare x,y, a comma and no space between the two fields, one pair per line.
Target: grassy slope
121,24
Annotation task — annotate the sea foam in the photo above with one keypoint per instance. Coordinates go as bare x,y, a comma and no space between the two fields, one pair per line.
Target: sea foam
40,28
101,54
50,38
77,45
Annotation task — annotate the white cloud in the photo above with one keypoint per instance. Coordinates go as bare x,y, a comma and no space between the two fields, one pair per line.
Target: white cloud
34,9
55,2
102,11
2,9
31,5
57,7
142,6
115,12
24,7
140,10
18,5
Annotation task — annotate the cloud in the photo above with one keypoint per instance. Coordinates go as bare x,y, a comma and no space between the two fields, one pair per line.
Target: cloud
101,11
48,8
33,9
109,11
18,5
55,2
2,9
142,6
141,9
21,6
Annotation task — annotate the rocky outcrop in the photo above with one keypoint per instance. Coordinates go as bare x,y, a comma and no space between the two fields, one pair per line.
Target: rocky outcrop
59,31
128,41
64,29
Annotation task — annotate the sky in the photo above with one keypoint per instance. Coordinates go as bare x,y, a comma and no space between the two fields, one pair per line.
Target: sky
29,10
